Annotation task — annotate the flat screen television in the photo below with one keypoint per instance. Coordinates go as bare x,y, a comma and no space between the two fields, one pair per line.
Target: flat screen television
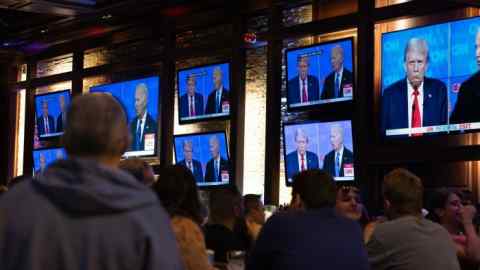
319,145
42,158
206,155
51,113
319,74
430,81
140,100
204,92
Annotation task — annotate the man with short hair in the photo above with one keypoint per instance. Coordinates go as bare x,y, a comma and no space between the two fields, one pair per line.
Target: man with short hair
143,124
191,103
301,159
83,212
415,101
219,97
340,81
340,157
190,163
217,167
62,117
408,241
304,87
45,122
312,236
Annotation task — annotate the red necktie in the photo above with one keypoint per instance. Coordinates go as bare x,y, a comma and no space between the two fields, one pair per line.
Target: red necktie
192,108
416,117
304,92
302,165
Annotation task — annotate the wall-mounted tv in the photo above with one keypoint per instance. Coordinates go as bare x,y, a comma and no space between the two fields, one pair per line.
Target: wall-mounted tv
319,74
140,100
204,92
206,155
51,113
430,81
42,158
319,145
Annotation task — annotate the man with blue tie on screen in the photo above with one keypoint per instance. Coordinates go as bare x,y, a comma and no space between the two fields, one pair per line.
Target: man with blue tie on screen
45,123
301,159
337,159
219,96
415,101
303,87
217,165
340,79
191,103
143,124
193,165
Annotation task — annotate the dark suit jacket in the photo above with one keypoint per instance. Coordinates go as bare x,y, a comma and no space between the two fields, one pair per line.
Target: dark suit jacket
394,111
197,169
41,125
210,170
466,109
329,161
211,101
293,162
329,84
293,90
60,123
149,127
184,105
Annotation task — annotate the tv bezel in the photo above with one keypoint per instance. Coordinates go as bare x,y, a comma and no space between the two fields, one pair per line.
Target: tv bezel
45,138
231,178
206,118
316,106
303,122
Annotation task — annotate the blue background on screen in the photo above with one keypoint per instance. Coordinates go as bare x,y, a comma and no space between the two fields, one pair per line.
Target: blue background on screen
320,65
318,137
53,104
50,156
204,83
452,66
124,92
201,148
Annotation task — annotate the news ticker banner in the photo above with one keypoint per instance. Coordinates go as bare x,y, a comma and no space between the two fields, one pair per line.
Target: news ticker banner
433,129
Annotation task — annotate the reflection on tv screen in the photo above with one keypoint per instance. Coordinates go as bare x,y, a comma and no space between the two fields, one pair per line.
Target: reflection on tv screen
319,145
430,79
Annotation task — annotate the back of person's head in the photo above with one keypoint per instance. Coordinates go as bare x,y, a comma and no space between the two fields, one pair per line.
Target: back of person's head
403,193
177,190
225,205
96,127
140,169
3,189
251,202
315,188
17,180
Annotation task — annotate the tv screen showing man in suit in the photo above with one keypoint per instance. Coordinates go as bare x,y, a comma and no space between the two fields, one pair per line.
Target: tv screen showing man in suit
42,158
204,92
319,74
49,109
206,155
139,98
430,79
319,145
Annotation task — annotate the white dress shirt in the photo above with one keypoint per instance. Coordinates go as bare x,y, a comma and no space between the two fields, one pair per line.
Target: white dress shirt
191,104
410,102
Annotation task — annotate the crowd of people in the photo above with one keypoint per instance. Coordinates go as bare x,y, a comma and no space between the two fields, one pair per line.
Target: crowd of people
93,211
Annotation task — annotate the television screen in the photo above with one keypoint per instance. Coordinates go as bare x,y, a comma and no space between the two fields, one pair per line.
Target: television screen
430,79
50,111
319,145
204,92
139,98
42,158
206,155
322,73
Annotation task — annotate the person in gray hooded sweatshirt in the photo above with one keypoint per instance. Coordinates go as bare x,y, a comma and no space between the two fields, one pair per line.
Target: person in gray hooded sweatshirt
83,213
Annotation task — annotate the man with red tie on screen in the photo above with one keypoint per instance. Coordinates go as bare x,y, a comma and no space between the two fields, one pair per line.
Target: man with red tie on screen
340,157
193,165
218,100
304,87
191,103
301,159
417,101
45,123
217,169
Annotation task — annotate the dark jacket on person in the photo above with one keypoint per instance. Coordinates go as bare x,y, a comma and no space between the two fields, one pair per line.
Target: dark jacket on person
81,215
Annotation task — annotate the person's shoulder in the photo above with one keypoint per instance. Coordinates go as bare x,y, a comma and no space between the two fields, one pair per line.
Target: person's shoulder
311,154
291,154
436,83
394,87
472,82
348,151
312,77
198,95
293,80
330,153
184,223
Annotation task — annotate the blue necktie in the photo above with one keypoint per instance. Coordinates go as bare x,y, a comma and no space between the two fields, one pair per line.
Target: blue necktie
337,164
337,84
217,103
139,135
216,170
